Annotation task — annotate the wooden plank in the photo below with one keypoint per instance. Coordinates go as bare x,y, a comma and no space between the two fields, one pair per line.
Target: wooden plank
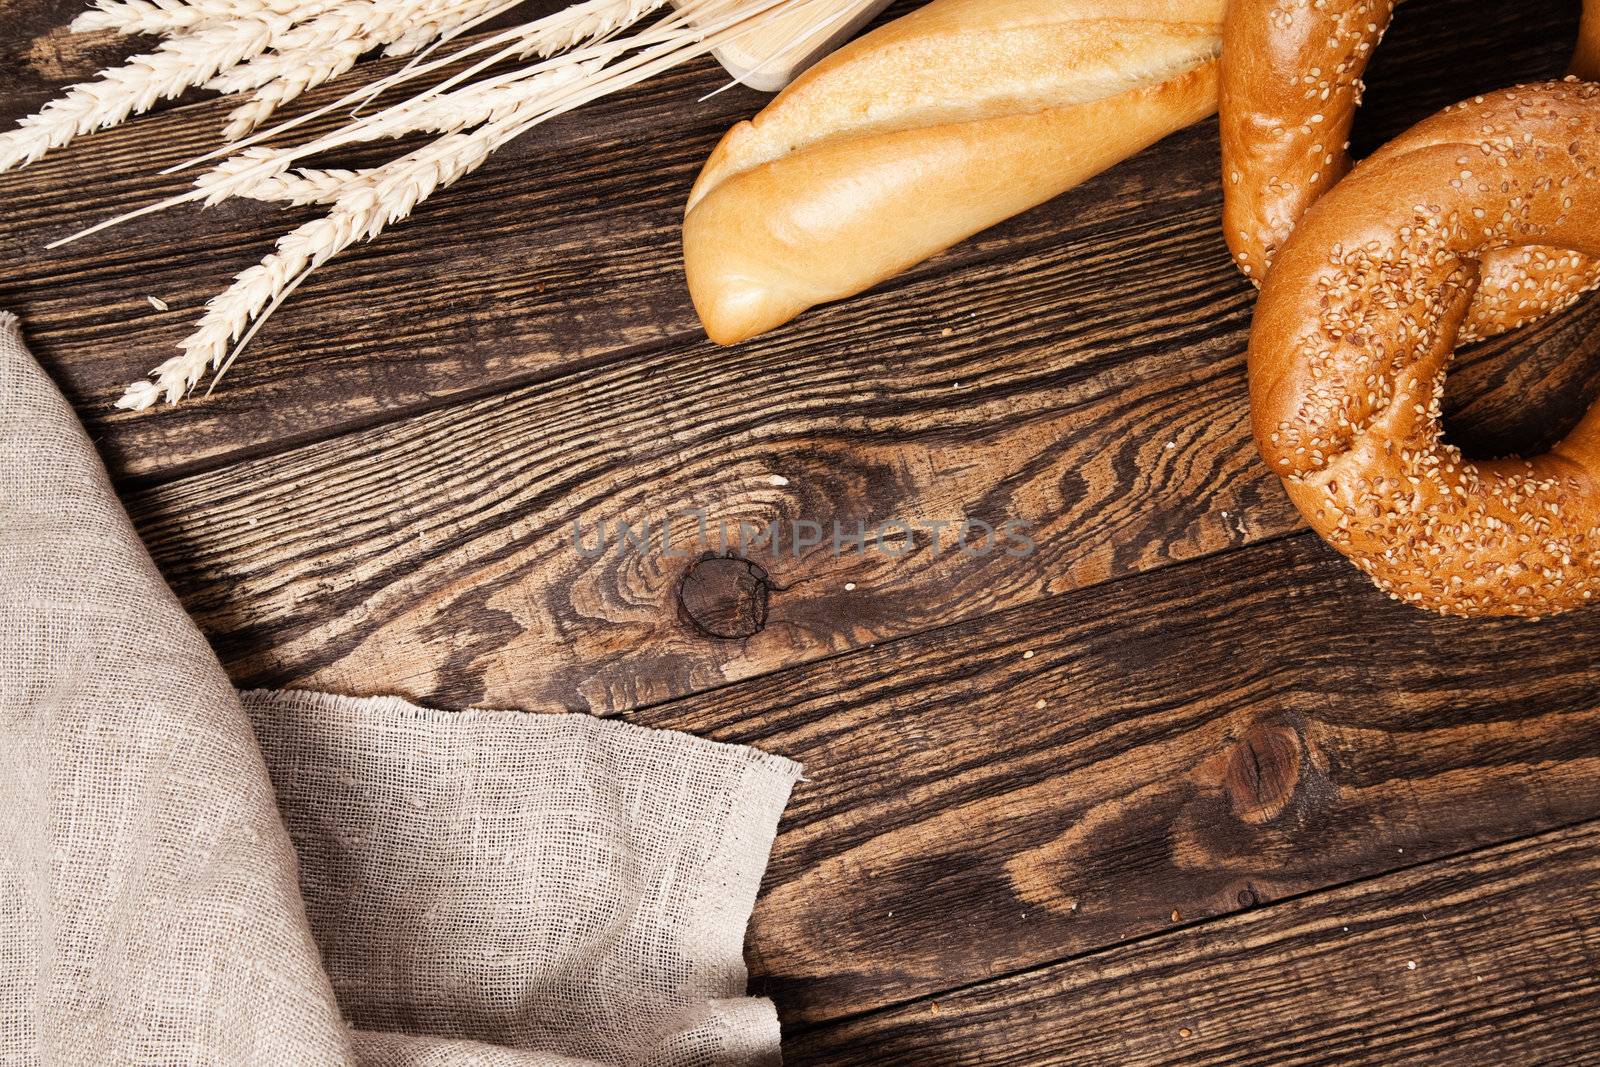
1485,958
983,393
577,261
1122,438
561,254
1213,737
38,54
469,589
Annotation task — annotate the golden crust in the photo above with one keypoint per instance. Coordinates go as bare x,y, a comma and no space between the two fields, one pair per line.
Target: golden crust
926,131
1291,83
1355,327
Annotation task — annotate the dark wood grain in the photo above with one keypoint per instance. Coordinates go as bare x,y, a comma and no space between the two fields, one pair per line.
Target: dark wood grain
560,254
39,55
1212,736
1490,958
1121,439
1177,710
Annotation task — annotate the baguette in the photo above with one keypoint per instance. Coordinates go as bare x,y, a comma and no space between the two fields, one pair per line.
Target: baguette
926,131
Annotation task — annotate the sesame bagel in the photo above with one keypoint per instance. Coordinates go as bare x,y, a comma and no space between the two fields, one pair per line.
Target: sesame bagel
1356,325
1291,82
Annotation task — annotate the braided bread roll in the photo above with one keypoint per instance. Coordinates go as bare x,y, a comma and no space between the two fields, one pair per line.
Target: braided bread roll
927,130
1291,82
1355,327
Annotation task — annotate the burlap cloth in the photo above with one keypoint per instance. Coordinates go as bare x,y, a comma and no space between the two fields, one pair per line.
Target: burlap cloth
189,875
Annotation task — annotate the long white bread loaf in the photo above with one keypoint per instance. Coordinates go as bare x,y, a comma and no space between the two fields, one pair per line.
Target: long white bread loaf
927,130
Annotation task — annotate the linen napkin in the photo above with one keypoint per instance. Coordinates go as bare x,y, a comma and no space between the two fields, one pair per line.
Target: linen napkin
189,875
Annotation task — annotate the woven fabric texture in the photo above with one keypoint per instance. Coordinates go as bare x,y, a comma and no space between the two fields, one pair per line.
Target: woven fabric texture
189,875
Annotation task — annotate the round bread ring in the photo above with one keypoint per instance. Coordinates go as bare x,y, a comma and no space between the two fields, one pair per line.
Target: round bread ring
1291,82
1356,325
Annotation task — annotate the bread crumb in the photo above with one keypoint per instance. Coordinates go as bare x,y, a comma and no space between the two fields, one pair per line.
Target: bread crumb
1028,654
157,303
778,479
1177,916
1039,703
1184,1031
849,587
1411,965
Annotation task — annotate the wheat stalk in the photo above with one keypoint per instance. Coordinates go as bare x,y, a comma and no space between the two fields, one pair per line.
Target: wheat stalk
328,46
177,64
542,37
266,174
363,207
277,49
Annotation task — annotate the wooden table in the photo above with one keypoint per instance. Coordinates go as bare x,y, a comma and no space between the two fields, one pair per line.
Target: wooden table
1178,787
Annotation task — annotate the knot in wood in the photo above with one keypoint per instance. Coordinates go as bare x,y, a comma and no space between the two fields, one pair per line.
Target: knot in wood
725,596
1263,772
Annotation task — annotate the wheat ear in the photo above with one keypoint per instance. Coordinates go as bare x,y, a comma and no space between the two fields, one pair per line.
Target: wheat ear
375,199
265,174
324,48
178,64
596,60
733,18
168,17
299,71
302,185
425,36
415,39
543,36
585,22
377,21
